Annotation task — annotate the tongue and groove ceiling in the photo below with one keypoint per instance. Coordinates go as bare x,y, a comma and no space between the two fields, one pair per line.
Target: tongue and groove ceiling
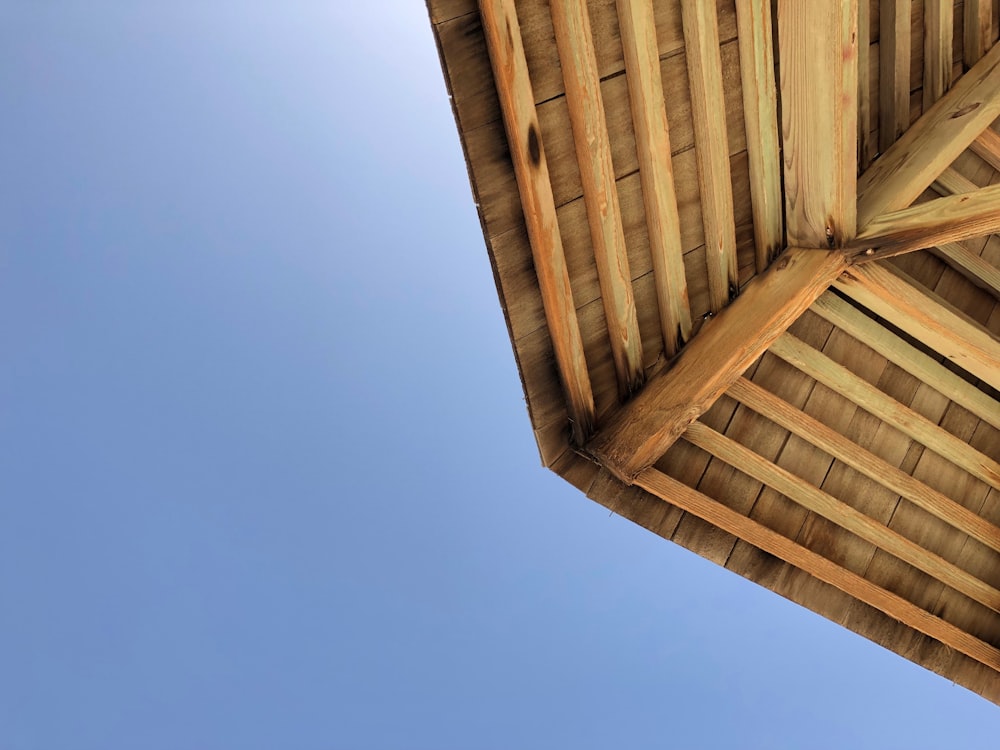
745,251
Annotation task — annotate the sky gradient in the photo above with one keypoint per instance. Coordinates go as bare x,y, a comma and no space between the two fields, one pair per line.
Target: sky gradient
266,474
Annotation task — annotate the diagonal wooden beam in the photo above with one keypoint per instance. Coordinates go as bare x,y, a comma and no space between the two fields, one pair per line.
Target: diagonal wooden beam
940,221
578,60
980,272
703,507
819,94
510,70
760,113
987,147
934,141
840,513
925,316
652,140
642,430
711,145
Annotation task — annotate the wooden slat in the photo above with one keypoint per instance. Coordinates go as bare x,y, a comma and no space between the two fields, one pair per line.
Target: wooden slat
819,86
641,431
854,322
925,316
987,147
973,267
843,515
978,32
894,71
708,107
760,112
510,70
818,434
886,408
717,514
953,182
938,33
949,219
865,148
932,143
571,23
652,139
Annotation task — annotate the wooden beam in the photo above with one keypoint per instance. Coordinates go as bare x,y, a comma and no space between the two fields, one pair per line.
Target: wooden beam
642,430
934,141
978,32
952,182
925,316
711,145
971,266
819,93
943,220
510,70
938,34
873,334
760,113
864,462
894,71
865,147
987,147
703,507
840,513
652,140
862,393
575,43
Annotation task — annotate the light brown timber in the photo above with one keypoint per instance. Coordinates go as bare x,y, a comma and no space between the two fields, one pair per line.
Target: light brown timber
578,60
932,143
652,138
973,267
819,87
925,316
875,402
978,32
708,106
642,430
760,114
865,146
894,71
987,147
938,34
717,514
510,70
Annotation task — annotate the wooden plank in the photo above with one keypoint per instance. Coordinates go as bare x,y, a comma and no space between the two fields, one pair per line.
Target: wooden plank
978,31
987,147
760,113
510,70
886,408
641,431
973,267
894,71
819,86
938,34
949,219
652,139
697,504
832,442
865,127
575,43
932,143
925,316
854,322
953,182
841,514
708,105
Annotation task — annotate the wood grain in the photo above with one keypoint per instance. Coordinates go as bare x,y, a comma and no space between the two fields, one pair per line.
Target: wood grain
938,34
894,71
978,30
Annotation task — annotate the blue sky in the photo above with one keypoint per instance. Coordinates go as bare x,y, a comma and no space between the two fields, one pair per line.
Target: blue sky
266,475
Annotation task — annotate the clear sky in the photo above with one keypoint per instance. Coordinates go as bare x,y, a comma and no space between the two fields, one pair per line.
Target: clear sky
266,475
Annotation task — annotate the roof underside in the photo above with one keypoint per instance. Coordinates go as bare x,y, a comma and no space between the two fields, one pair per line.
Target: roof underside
732,325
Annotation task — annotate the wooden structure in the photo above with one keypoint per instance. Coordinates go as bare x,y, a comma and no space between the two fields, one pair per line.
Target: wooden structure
745,253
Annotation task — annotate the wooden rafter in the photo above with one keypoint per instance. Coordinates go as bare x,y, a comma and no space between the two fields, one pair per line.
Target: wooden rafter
912,163
510,70
971,266
700,505
925,316
836,511
819,86
832,442
578,60
862,393
708,107
760,112
987,147
642,430
894,70
652,138
949,219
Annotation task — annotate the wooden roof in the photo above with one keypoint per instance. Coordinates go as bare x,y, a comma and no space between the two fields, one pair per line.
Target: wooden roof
745,253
